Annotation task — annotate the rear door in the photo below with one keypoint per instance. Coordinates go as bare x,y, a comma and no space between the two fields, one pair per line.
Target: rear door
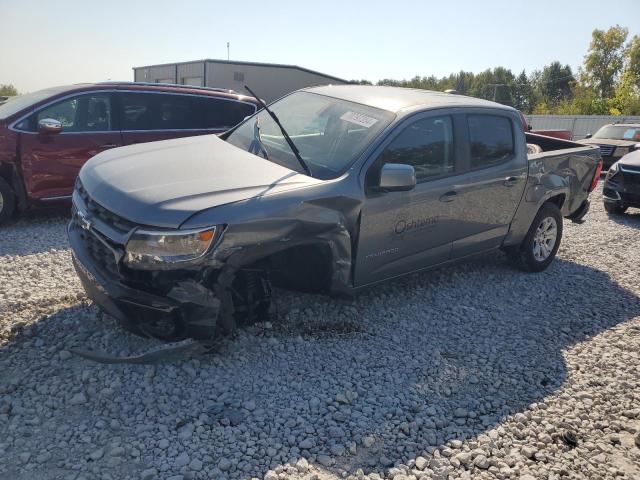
51,162
152,116
488,195
405,231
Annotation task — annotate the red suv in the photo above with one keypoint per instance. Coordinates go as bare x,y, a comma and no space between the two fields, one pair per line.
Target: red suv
46,136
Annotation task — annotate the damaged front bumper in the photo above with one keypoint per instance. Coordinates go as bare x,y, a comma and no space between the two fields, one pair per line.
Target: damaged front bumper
187,309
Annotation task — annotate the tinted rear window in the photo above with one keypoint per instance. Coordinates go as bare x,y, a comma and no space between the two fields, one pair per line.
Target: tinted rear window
149,111
219,113
491,138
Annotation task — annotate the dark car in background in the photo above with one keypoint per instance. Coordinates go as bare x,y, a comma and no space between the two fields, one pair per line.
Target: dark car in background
622,184
46,136
615,141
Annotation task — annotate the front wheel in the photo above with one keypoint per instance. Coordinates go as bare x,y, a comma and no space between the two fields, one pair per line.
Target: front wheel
7,201
541,244
614,209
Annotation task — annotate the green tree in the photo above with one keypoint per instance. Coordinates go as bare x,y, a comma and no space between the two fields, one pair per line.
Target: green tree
633,60
524,97
554,83
496,85
605,59
8,90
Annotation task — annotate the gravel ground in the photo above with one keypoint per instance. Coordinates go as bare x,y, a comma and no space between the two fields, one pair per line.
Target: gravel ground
474,371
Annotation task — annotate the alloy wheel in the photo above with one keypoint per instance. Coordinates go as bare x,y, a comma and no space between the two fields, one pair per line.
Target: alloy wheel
545,239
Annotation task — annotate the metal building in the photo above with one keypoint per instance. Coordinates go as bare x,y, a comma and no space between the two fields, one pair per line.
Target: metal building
269,80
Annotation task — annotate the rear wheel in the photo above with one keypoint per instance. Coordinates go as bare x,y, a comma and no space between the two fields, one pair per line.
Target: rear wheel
541,244
7,201
614,209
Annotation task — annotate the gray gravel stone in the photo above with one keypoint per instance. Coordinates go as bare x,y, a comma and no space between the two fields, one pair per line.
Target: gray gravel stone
475,370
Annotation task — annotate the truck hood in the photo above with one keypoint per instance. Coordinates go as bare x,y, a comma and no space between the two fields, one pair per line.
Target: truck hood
632,159
164,183
609,141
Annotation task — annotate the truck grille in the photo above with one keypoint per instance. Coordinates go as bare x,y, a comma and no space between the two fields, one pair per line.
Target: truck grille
103,214
99,252
607,150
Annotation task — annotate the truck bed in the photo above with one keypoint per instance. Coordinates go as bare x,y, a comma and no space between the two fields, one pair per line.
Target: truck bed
561,167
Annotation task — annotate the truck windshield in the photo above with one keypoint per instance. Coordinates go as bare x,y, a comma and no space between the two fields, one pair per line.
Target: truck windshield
619,132
330,133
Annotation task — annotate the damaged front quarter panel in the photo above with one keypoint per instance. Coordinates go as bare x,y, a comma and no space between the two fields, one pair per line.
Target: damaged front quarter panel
257,229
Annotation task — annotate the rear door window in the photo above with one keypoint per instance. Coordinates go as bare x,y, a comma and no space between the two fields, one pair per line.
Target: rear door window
157,111
165,111
491,139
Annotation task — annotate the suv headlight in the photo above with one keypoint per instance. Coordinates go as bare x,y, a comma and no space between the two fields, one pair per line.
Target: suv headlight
613,169
148,249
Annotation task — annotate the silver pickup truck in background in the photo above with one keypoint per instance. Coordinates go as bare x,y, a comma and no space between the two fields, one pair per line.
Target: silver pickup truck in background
330,189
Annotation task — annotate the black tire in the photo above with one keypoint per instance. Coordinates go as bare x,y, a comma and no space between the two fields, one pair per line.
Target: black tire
251,295
7,201
536,252
614,209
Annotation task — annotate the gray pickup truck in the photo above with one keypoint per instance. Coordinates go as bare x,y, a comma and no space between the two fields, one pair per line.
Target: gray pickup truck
330,189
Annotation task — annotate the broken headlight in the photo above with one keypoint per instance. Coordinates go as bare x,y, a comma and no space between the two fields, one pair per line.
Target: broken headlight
613,169
147,249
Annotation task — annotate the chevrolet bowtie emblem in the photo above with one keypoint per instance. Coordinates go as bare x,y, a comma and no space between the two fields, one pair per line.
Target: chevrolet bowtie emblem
83,221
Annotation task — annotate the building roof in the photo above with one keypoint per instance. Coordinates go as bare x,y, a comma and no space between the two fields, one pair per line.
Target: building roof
394,99
254,64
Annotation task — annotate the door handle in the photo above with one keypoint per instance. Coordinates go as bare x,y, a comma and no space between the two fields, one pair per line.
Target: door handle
108,145
511,181
449,196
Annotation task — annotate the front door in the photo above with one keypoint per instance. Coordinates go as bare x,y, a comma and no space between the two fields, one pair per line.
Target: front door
51,162
405,231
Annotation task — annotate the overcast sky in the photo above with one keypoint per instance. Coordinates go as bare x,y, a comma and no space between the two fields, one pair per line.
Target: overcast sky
47,43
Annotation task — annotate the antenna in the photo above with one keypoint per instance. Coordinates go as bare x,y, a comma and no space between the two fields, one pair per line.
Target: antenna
228,44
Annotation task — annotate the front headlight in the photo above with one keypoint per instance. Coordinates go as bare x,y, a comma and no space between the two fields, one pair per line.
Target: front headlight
613,169
147,249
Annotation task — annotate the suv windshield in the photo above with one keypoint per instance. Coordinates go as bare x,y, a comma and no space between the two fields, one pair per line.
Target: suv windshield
20,102
618,132
330,133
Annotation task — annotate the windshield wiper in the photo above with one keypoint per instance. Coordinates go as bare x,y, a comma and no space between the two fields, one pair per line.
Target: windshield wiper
286,136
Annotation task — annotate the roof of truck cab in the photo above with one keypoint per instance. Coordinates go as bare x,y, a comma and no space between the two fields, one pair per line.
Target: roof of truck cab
396,99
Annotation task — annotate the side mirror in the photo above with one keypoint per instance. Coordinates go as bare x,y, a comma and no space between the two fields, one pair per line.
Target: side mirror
636,146
588,135
397,177
49,125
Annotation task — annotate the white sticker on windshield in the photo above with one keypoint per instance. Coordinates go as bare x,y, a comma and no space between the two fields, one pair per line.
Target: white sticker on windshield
359,119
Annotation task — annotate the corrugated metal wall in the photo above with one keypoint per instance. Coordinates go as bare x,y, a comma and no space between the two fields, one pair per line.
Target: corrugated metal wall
269,82
191,73
579,125
155,74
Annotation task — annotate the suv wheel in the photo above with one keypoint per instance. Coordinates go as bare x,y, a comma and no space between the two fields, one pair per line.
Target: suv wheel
7,201
614,208
541,244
